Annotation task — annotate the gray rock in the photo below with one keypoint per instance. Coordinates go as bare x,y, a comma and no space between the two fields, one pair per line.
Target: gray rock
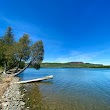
12,98
5,104
22,103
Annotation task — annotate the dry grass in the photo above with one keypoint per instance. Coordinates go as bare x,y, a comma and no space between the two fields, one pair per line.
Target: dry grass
4,83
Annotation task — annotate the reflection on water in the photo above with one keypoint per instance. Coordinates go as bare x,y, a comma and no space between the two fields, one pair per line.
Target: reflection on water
33,97
71,89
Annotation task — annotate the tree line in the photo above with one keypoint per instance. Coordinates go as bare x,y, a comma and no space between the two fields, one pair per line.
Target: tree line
14,54
72,65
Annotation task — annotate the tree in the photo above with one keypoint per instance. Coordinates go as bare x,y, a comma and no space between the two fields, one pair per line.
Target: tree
7,42
22,49
36,55
1,53
36,65
8,38
15,53
37,51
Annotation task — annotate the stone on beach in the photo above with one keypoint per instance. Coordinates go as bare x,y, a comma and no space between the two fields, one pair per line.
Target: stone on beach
12,98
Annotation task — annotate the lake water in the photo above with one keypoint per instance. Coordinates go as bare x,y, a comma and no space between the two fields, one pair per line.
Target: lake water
70,89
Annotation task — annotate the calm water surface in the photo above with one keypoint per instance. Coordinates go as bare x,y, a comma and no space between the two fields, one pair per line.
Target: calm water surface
70,89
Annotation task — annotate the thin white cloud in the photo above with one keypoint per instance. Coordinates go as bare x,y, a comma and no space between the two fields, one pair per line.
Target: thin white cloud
81,56
21,27
102,61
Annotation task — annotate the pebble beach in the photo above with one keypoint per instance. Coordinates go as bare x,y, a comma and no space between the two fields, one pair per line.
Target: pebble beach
12,97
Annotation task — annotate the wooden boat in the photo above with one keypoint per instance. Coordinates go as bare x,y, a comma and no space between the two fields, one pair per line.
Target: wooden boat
36,80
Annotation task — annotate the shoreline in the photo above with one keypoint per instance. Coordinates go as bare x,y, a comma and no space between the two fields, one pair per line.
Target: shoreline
77,67
11,99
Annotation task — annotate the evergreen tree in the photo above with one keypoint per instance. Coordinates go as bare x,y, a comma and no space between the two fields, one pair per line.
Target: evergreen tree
7,42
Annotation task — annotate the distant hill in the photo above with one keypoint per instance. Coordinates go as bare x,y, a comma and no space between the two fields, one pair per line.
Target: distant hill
73,65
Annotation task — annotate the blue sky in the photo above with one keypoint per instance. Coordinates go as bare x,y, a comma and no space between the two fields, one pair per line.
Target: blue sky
72,30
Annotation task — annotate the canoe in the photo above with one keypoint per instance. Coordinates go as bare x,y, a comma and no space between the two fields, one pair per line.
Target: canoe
36,80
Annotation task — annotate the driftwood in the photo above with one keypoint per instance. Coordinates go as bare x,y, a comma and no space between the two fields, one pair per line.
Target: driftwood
36,80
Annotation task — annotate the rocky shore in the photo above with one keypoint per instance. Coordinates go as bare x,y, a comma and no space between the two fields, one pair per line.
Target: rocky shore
12,97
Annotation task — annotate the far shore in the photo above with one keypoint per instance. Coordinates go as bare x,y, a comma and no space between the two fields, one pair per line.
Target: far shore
73,65
78,67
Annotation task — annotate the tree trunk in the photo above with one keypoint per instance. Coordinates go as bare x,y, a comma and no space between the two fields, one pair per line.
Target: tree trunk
23,68
12,65
18,65
4,72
